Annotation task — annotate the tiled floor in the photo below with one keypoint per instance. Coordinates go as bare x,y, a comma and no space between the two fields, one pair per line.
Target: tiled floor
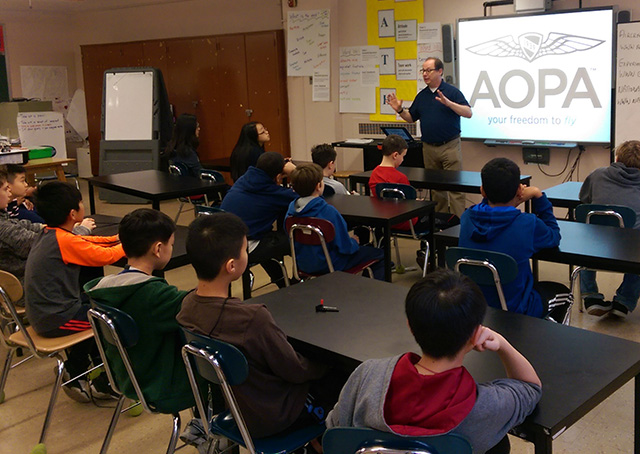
80,428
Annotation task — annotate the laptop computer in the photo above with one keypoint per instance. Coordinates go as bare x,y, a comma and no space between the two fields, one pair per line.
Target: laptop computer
399,131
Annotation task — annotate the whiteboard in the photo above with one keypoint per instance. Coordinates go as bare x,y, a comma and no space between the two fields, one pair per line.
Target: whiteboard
128,108
628,83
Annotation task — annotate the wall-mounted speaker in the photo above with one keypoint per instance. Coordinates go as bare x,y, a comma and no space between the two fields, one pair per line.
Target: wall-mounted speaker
623,16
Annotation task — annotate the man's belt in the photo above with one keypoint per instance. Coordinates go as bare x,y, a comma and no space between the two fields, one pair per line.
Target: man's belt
439,144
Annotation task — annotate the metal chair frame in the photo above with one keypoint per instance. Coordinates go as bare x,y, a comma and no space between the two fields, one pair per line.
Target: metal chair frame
21,337
390,193
600,211
176,169
307,229
105,330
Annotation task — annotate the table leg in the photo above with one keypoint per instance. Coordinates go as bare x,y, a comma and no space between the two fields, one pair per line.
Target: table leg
535,270
60,173
155,204
543,443
432,243
92,202
636,411
387,253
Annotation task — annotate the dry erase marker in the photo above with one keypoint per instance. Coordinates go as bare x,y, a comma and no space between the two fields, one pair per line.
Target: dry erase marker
322,308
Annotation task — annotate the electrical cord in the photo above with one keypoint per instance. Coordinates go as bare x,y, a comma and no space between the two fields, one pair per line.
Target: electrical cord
566,164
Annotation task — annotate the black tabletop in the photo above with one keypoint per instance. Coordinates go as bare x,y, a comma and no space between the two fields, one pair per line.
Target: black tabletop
375,211
446,180
108,225
155,185
594,246
565,195
578,368
220,164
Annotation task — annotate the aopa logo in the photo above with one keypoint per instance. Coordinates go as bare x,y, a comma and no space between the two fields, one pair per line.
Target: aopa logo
530,45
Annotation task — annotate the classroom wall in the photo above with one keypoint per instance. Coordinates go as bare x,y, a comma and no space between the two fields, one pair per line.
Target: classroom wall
316,121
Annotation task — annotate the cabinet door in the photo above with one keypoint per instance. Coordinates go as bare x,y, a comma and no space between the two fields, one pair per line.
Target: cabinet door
266,85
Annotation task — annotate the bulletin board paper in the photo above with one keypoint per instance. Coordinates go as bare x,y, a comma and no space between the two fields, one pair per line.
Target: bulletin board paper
308,42
44,82
42,128
355,97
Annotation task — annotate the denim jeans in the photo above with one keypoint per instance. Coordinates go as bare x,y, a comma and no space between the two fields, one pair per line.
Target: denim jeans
627,293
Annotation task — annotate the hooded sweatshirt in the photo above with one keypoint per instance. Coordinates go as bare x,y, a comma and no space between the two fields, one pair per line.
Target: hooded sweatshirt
258,201
311,259
156,358
499,405
520,235
615,185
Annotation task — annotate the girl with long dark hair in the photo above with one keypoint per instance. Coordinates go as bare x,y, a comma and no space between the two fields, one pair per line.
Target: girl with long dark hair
182,147
248,149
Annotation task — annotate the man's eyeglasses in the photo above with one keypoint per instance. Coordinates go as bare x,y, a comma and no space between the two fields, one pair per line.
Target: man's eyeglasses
427,71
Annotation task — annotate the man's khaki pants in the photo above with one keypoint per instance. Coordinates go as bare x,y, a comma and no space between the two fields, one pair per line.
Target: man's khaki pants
447,157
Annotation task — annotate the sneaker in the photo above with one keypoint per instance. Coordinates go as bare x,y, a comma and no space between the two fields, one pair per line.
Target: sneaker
77,390
619,310
194,434
101,389
596,306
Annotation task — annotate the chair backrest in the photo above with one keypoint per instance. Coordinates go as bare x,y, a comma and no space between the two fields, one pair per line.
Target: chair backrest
361,440
177,168
328,191
204,210
10,291
310,231
613,215
222,364
212,175
395,191
484,267
115,328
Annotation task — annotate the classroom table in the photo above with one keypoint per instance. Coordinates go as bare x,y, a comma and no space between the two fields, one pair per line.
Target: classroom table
219,164
108,225
383,213
441,180
565,195
153,185
598,247
38,165
578,368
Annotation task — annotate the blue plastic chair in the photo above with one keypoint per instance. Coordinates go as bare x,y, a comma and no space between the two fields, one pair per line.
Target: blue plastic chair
351,440
403,192
116,328
223,364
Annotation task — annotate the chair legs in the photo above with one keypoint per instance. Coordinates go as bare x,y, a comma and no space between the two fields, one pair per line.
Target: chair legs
112,424
54,395
5,371
174,434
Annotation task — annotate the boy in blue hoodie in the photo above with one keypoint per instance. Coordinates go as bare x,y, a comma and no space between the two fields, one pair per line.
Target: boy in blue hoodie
345,252
618,184
496,224
258,199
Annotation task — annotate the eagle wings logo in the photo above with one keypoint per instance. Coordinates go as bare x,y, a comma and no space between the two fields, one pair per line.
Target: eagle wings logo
530,46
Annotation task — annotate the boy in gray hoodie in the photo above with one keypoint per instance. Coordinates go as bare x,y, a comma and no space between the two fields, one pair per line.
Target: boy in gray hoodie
618,184
433,393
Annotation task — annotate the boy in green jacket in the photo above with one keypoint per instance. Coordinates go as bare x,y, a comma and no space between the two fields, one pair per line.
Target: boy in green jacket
147,237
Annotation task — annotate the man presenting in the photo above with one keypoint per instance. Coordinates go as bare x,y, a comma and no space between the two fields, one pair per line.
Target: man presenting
439,107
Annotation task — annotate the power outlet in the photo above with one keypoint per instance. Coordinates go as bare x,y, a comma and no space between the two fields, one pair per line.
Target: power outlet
535,155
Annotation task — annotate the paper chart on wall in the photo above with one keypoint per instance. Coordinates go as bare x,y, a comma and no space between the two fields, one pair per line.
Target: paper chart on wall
429,45
356,97
44,82
42,128
307,42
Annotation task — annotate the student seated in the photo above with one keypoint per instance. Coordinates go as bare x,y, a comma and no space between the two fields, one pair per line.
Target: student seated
21,207
147,237
274,397
345,252
260,201
182,148
618,184
325,156
55,305
16,236
496,224
432,393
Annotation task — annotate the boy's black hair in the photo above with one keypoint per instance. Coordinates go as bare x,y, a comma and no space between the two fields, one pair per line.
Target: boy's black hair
4,176
272,163
500,180
305,179
393,143
142,228
323,154
55,200
444,309
212,240
13,170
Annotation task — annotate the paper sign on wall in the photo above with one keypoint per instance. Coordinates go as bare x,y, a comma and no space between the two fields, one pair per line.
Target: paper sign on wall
42,128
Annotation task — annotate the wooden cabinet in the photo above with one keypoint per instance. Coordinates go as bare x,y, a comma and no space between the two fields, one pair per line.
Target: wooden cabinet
225,80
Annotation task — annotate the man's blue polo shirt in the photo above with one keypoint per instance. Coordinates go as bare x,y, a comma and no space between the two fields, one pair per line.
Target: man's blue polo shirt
438,122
